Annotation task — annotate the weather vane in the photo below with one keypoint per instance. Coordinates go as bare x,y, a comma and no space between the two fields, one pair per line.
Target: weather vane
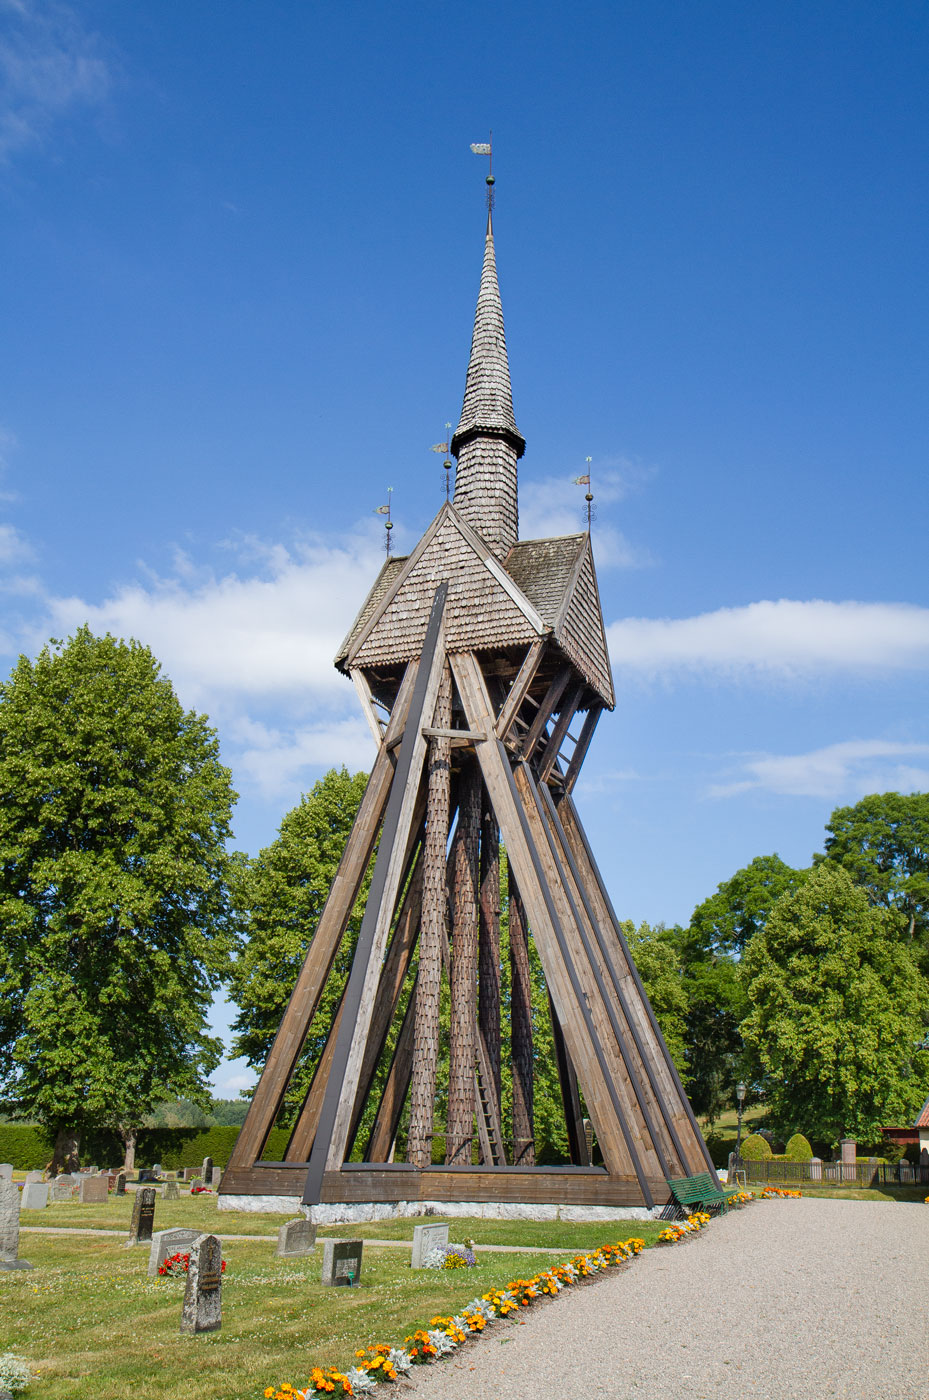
447,464
585,481
486,148
388,523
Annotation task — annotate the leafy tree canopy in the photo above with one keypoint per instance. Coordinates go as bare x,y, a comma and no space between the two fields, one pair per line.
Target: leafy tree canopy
838,1011
655,954
883,843
114,812
727,921
282,893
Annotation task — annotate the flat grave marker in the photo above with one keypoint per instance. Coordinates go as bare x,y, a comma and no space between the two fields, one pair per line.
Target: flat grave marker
143,1216
342,1263
425,1239
203,1308
295,1237
168,1242
9,1227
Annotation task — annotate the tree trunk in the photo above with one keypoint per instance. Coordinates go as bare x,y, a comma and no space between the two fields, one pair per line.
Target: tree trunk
521,1048
433,927
129,1137
489,947
460,1127
66,1156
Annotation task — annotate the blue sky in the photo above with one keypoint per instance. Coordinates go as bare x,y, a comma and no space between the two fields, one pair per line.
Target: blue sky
240,249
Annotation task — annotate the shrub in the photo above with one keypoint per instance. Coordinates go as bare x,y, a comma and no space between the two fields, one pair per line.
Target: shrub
798,1149
756,1149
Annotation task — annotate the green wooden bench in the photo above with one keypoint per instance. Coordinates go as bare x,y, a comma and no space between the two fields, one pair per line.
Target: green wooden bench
699,1192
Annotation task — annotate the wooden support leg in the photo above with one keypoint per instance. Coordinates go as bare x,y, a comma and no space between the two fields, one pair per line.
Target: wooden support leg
489,947
338,1107
426,1033
521,1054
463,1051
295,1023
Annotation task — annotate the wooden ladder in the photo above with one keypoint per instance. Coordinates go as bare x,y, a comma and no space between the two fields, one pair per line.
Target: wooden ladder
489,1132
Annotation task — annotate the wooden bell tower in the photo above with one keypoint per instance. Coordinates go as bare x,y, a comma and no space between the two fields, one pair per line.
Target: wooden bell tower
480,661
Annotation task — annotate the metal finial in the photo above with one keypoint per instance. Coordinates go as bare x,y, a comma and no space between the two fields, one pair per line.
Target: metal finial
388,523
486,148
585,481
446,448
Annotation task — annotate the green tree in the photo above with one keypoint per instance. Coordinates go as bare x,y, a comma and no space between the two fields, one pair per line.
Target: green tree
838,1011
656,955
114,812
727,921
282,894
883,843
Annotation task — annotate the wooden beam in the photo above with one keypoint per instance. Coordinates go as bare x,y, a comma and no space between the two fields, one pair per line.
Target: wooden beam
295,1023
570,1097
546,710
581,747
367,704
522,835
466,736
565,715
520,688
332,1136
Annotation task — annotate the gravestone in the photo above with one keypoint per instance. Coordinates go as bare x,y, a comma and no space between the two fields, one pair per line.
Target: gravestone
146,1174
171,1191
6,1171
9,1227
426,1238
143,1216
295,1237
168,1242
206,1171
35,1196
33,1176
342,1263
93,1190
64,1188
216,1176
121,1184
203,1310
190,1173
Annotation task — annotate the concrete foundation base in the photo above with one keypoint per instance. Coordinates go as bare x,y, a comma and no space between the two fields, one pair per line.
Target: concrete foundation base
343,1213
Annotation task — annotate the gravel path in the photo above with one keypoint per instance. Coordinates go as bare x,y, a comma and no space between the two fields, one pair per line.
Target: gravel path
785,1300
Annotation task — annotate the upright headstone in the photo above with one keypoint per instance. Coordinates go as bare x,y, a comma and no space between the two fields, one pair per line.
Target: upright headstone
342,1263
35,1196
121,1184
93,1190
33,1176
6,1171
203,1309
146,1174
168,1242
9,1227
296,1237
425,1239
216,1176
143,1216
64,1188
206,1171
849,1148
190,1173
171,1191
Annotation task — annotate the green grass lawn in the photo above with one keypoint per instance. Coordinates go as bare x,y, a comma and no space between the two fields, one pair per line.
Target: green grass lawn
93,1324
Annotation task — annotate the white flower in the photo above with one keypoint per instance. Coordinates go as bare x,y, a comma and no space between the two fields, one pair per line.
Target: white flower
443,1344
14,1372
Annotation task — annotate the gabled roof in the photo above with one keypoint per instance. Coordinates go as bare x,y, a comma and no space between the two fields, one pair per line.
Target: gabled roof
544,586
922,1120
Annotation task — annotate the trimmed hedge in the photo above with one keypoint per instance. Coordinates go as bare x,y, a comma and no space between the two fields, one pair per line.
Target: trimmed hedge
28,1147
798,1149
756,1149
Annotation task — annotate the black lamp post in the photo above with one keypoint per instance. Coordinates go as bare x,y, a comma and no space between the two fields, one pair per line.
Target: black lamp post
740,1095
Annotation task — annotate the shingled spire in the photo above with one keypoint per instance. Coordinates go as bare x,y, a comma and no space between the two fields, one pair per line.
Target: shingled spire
487,441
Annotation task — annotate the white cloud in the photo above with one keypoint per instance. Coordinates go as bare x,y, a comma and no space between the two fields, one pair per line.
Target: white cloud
270,632
789,637
14,549
555,506
845,770
49,65
273,758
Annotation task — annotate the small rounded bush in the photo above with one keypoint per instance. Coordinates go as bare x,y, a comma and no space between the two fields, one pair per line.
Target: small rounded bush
798,1149
756,1149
